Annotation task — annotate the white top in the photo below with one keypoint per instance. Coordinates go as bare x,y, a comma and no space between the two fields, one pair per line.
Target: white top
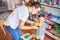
41,30
20,13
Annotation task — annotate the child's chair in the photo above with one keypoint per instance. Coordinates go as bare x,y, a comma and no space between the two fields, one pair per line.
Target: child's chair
4,34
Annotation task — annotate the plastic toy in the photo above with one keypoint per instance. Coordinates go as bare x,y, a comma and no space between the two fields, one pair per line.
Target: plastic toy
58,30
56,25
29,36
58,18
26,36
33,39
42,1
37,24
47,1
47,16
58,2
50,27
54,2
50,3
52,16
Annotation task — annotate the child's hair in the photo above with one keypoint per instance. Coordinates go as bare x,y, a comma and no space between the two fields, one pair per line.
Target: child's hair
41,15
36,4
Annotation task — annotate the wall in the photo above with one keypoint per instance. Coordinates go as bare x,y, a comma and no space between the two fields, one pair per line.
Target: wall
11,4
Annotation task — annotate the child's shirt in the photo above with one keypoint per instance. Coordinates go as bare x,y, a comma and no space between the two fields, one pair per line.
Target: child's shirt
42,29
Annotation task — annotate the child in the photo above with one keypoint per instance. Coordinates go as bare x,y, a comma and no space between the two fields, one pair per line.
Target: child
42,29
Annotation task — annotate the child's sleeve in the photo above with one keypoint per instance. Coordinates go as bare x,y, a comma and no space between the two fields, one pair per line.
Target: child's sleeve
46,25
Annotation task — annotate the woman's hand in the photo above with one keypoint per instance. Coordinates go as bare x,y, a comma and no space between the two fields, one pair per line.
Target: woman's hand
34,27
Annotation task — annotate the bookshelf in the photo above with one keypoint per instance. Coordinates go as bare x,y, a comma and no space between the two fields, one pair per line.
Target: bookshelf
53,6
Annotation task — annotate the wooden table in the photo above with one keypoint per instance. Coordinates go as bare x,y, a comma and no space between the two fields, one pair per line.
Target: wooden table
32,31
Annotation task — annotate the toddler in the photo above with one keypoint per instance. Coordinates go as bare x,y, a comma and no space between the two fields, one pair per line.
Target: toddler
42,29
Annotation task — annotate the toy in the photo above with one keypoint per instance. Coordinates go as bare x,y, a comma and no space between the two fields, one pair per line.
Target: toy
52,16
50,3
54,2
34,39
57,27
58,30
58,17
58,2
50,27
29,36
26,36
37,24
42,1
47,16
36,0
47,1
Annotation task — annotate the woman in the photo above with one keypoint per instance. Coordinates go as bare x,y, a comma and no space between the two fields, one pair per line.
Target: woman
18,17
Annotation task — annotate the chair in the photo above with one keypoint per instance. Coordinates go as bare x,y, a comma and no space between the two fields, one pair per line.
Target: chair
4,34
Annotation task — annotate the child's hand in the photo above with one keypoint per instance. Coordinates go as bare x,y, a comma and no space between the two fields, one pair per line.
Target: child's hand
34,27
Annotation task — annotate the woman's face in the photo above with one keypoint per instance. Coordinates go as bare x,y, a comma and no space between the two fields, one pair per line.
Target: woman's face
35,10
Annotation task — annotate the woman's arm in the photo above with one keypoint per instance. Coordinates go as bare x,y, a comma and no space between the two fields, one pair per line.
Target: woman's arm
22,26
30,22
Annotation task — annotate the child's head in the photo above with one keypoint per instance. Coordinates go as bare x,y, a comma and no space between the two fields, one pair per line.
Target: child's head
41,18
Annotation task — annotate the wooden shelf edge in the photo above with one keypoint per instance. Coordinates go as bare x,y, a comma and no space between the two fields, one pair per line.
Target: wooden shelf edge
44,4
52,21
53,36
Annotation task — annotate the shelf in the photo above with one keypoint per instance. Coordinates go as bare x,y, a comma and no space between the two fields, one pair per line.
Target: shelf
45,4
52,21
52,35
55,33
